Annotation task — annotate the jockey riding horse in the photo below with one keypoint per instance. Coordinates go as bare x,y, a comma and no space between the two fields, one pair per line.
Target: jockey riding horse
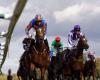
41,44
56,59
74,58
36,54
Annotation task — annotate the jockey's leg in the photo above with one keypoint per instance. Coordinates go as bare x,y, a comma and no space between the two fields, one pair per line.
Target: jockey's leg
47,44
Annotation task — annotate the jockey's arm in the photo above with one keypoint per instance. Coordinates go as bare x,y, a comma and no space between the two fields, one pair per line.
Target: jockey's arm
52,46
70,40
28,28
62,46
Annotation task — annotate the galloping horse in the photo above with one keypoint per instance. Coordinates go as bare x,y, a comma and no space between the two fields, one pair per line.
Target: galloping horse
35,56
90,69
24,66
74,58
77,64
66,71
39,53
56,65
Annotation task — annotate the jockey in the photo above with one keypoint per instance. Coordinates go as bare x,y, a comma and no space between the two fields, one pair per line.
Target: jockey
91,55
36,23
74,36
56,44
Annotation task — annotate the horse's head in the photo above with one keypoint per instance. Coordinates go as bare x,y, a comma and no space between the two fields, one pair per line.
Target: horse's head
40,34
82,44
27,43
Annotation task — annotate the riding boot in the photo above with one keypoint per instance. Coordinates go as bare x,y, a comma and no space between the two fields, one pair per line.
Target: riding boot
46,42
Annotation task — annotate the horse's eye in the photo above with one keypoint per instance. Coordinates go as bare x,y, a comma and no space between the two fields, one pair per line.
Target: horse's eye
85,39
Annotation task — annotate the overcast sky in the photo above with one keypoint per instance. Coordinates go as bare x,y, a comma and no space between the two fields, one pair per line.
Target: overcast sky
61,16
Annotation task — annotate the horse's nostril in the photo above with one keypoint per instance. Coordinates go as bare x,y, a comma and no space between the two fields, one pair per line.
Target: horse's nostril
87,46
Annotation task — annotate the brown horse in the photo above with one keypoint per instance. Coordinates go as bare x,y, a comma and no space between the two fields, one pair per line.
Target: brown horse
74,59
35,56
39,53
77,63
90,69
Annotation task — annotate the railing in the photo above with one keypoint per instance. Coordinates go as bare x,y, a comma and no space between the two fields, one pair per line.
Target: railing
2,35
13,20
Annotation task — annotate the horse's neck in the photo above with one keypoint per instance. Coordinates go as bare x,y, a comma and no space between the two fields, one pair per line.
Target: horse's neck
41,46
79,53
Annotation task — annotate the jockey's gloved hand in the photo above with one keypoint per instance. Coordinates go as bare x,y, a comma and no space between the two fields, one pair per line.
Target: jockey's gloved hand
30,35
74,46
26,31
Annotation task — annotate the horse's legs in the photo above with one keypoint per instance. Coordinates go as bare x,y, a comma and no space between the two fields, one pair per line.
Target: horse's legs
84,77
88,77
42,73
81,76
18,77
50,73
33,75
94,76
77,75
32,72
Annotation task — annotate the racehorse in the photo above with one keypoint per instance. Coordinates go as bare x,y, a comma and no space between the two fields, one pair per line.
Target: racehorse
56,65
36,55
90,69
66,71
24,67
74,58
77,63
39,53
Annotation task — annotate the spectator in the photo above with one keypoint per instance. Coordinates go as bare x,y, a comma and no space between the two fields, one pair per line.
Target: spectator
9,76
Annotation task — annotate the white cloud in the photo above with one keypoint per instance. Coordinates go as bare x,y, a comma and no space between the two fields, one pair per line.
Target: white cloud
76,12
7,9
97,10
4,10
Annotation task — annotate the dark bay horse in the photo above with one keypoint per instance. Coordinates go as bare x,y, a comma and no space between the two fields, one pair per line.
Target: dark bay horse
66,71
24,67
90,69
74,59
56,65
23,72
35,56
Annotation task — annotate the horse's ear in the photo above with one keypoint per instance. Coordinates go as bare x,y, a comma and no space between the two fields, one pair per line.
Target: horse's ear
83,36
